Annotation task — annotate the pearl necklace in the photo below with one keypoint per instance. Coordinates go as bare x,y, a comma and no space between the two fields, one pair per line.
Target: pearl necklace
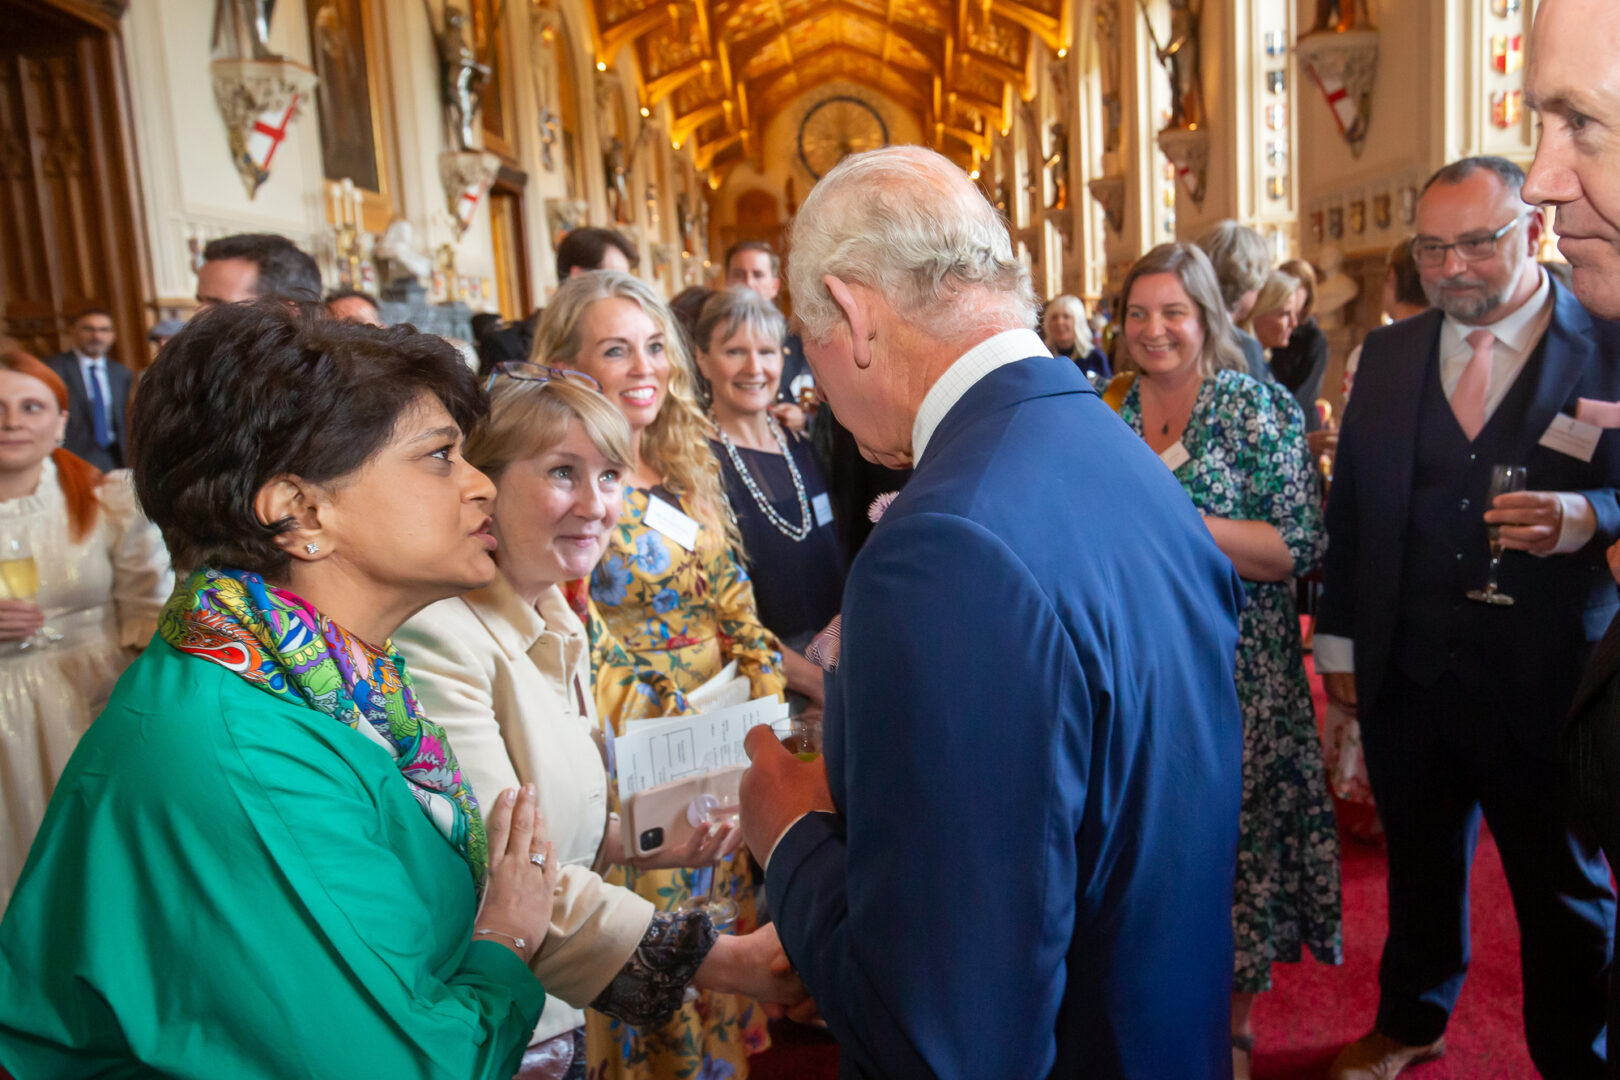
796,533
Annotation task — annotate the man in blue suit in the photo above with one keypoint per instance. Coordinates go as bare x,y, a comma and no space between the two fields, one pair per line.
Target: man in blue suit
1015,858
1462,703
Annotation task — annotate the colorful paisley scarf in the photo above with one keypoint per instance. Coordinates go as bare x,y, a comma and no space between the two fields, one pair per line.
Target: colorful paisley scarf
279,643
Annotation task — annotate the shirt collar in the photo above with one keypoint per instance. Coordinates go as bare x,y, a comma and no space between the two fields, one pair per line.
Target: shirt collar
1514,330
86,360
1004,348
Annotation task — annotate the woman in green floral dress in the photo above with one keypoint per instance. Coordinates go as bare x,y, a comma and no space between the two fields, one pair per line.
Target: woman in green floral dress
669,608
1238,447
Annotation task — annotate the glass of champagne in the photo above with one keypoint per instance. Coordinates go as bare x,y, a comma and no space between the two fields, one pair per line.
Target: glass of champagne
19,580
716,804
1504,479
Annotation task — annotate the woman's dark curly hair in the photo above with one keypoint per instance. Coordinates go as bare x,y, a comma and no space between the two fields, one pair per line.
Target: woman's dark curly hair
249,392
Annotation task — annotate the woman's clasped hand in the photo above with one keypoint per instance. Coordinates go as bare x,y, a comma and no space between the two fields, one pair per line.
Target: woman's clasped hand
523,875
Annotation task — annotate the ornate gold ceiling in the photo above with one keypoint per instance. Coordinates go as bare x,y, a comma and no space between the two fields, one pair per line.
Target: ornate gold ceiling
726,67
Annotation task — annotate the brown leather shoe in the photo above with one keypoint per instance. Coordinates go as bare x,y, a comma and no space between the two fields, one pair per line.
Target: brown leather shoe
1376,1056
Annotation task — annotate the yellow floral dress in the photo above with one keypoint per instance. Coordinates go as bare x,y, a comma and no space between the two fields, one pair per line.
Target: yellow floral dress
664,621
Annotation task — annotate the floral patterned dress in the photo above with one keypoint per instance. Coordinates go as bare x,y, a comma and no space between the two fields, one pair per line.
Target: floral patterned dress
664,621
1248,461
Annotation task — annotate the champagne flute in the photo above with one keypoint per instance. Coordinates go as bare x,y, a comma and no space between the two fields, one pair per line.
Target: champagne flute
19,580
1504,479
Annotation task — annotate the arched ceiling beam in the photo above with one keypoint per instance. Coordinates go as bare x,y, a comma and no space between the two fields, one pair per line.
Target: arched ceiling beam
611,39
667,83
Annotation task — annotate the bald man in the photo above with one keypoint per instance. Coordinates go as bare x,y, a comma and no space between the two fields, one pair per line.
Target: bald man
1573,84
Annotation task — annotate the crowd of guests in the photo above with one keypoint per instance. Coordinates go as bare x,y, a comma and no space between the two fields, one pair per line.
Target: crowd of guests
308,717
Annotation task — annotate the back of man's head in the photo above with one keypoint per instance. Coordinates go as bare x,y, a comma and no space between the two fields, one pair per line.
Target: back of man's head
356,306
284,272
589,248
1241,258
906,223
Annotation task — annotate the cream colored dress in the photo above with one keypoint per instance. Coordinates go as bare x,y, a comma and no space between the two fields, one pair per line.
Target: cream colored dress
102,596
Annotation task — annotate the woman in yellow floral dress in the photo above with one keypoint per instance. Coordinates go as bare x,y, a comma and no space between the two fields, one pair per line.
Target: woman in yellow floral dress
676,608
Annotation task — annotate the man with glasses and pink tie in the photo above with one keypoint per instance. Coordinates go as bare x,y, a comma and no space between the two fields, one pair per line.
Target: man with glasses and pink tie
1463,688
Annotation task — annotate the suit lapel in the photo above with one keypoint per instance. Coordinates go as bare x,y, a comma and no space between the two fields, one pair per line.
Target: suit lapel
1397,424
1565,349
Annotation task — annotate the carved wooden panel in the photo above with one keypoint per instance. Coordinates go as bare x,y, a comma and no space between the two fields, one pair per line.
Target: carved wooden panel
67,219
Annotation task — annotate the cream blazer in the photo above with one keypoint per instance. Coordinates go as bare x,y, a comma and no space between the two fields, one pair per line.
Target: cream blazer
511,685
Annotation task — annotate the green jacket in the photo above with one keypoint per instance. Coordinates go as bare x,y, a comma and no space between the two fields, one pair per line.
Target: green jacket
226,885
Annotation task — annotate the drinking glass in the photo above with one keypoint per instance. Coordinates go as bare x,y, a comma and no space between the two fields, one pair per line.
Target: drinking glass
716,803
1504,479
19,580
801,735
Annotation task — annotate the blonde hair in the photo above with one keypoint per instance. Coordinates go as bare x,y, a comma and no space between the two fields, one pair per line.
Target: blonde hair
528,418
1276,293
676,443
1191,267
1306,273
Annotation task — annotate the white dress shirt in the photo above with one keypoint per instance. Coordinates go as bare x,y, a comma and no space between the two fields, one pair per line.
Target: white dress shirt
1517,335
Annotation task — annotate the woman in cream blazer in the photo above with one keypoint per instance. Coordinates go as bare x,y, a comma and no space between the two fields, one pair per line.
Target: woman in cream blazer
506,671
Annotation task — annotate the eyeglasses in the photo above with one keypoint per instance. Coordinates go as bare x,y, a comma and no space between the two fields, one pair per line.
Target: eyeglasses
539,373
1432,253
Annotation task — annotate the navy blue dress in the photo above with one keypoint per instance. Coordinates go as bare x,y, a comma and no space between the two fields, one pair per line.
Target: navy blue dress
797,584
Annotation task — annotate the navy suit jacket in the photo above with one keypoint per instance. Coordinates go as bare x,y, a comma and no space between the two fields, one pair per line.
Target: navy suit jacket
1564,602
81,430
1034,745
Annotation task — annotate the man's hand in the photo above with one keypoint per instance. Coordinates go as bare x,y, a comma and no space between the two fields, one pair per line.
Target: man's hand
777,790
789,415
1614,561
1341,689
1530,520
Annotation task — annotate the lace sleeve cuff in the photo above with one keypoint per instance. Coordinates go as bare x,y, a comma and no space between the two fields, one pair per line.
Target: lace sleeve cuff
650,985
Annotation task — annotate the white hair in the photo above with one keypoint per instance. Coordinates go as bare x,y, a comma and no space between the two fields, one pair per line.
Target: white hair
910,225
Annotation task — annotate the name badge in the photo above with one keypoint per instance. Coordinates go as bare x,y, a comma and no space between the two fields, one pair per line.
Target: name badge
664,518
1568,435
822,506
1176,456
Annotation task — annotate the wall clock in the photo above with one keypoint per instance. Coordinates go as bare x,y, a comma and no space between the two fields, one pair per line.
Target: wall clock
835,128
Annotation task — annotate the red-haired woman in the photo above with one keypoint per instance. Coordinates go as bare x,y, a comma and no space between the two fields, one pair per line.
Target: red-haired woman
103,575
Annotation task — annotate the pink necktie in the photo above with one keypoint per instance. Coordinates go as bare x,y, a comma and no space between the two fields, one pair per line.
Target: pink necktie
1468,399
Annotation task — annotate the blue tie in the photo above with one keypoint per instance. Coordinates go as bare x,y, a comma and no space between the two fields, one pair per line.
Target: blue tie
98,407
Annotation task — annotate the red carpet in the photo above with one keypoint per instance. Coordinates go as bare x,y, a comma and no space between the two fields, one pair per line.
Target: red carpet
1315,1009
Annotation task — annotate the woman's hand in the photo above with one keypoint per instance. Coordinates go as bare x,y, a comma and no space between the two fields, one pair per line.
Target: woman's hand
519,894
19,618
705,846
789,416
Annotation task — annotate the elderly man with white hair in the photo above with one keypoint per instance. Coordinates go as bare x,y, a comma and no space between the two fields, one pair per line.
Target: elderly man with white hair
1015,858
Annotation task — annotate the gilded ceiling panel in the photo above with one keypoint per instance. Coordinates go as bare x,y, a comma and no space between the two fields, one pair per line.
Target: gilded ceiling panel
863,34
927,14
996,37
616,11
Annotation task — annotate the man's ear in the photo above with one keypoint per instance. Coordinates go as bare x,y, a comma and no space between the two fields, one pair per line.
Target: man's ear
291,497
860,332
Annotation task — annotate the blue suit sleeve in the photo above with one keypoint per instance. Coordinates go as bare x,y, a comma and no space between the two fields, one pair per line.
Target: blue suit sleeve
931,918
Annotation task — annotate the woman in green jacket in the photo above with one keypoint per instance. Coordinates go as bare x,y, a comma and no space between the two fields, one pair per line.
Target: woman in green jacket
263,859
